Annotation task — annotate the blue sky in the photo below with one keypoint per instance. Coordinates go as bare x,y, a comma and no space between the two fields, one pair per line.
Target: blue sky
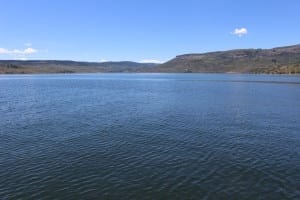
139,30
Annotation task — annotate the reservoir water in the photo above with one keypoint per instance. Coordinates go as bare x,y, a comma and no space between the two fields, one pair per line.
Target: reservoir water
149,136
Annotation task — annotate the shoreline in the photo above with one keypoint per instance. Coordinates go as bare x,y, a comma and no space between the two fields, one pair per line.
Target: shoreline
74,73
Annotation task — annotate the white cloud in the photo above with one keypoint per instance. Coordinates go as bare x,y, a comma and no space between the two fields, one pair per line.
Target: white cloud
21,58
104,60
4,51
26,51
240,32
28,44
150,61
29,51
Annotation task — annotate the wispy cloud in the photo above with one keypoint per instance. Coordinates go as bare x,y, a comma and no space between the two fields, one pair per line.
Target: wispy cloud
151,61
104,60
21,58
4,51
26,51
240,32
28,44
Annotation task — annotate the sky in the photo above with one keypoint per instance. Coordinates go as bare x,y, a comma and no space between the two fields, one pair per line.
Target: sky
142,30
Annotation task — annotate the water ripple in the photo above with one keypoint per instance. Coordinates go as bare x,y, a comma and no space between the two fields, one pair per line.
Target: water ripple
91,137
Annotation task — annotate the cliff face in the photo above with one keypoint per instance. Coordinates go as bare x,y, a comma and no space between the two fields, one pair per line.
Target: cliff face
276,60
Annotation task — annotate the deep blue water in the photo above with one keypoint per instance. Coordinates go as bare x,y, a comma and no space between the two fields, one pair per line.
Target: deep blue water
149,136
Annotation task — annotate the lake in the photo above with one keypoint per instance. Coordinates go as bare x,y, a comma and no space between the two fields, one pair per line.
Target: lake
149,136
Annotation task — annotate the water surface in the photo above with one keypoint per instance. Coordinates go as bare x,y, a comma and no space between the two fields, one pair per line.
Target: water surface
149,136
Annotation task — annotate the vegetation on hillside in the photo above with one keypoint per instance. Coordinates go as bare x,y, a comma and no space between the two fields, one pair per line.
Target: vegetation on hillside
277,60
282,60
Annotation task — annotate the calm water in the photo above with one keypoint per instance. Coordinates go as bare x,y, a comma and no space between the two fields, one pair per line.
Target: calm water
149,136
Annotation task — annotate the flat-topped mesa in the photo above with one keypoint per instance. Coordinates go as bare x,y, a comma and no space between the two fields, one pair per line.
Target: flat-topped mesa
245,52
275,60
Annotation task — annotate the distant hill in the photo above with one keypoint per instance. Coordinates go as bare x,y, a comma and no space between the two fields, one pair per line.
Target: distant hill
58,66
277,60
